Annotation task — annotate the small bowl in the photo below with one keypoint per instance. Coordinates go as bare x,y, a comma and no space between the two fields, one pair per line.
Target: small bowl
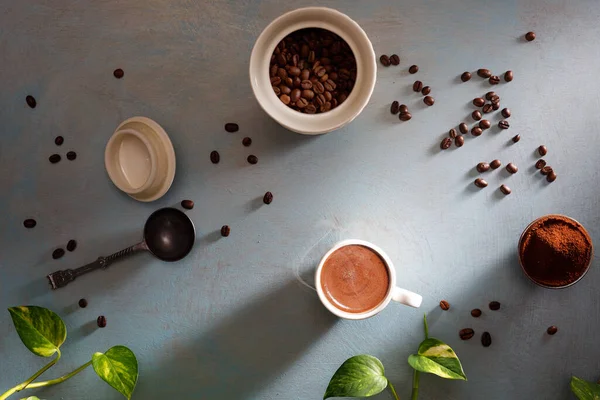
341,25
522,238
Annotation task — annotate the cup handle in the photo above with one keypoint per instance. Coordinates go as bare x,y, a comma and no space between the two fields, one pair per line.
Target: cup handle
407,297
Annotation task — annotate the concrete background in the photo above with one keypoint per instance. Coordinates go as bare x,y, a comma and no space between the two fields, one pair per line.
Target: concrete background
233,320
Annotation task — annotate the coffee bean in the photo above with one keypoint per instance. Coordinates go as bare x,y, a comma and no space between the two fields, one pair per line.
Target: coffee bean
232,127
466,76
484,73
405,116
71,245
385,60
505,112
495,106
29,223
215,157
306,84
413,69
268,198
54,158
285,99
118,73
82,303
489,95
252,159
495,99
277,91
395,108
101,321
310,109
295,71
551,177
466,334
486,339
476,131
495,164
480,183
539,164
530,36
516,138
483,167
505,190
476,115
446,143
543,150
452,133
459,141
426,90
403,108
318,87
58,253
308,94
71,155
246,141
59,140
444,305
552,330
295,95
488,108
546,170
508,76
478,102
394,59
463,128
31,102
476,313
503,124
418,86
512,168
429,100
225,230
494,305
485,124
494,80
187,204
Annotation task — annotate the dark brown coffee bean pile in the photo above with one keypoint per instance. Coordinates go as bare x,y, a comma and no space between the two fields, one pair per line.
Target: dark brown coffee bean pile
530,36
494,305
466,76
246,141
101,321
552,330
232,127
215,157
71,245
118,73
486,339
268,198
252,159
31,102
476,313
466,333
225,230
29,223
187,204
59,140
58,253
71,155
413,69
82,303
444,305
314,70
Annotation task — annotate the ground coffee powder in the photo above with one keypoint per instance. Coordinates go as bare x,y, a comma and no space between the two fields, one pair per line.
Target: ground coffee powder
555,251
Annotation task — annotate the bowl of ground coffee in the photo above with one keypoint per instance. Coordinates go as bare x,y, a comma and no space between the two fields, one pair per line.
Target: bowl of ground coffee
313,70
555,251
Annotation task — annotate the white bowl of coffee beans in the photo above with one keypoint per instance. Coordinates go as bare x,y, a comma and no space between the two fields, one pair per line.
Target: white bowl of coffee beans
313,70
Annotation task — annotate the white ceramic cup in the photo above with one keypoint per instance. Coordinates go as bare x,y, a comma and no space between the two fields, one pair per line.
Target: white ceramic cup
313,17
395,293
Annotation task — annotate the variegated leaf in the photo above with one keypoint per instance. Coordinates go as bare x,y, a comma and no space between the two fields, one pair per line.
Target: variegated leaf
358,376
585,390
436,357
31,398
118,367
40,330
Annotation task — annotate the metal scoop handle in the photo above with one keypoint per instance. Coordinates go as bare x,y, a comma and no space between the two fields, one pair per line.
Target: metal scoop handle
62,278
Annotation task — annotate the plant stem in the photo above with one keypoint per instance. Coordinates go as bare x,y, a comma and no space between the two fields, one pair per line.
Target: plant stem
415,388
393,390
25,384
425,326
61,379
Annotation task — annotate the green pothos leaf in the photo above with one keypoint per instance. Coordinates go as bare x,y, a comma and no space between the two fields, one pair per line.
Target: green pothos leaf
585,390
40,330
31,398
118,367
436,357
358,376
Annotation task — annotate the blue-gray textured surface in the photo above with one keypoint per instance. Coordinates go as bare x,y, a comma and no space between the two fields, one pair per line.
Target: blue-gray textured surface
232,320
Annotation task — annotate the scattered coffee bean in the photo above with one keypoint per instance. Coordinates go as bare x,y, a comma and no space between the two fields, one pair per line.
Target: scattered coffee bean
494,305
551,177
541,163
495,99
31,102
58,253
444,305
488,108
394,59
516,138
385,60
486,339
418,86
395,107
546,170
466,76
71,245
512,168
246,141
59,140
405,116
82,303
478,102
466,334
483,167
101,321
187,204
403,108
485,124
505,190
413,69
552,330
508,76
268,198
463,128
476,115
476,131
426,90
71,155
29,223
452,133
495,106
446,143
476,313
484,73
429,100
252,159
503,124
225,230
494,80
215,157
530,36
118,73
459,141
489,95
480,183
505,112
543,150
495,164
54,158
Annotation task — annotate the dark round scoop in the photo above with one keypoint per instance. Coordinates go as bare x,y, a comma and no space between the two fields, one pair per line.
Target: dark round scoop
169,234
